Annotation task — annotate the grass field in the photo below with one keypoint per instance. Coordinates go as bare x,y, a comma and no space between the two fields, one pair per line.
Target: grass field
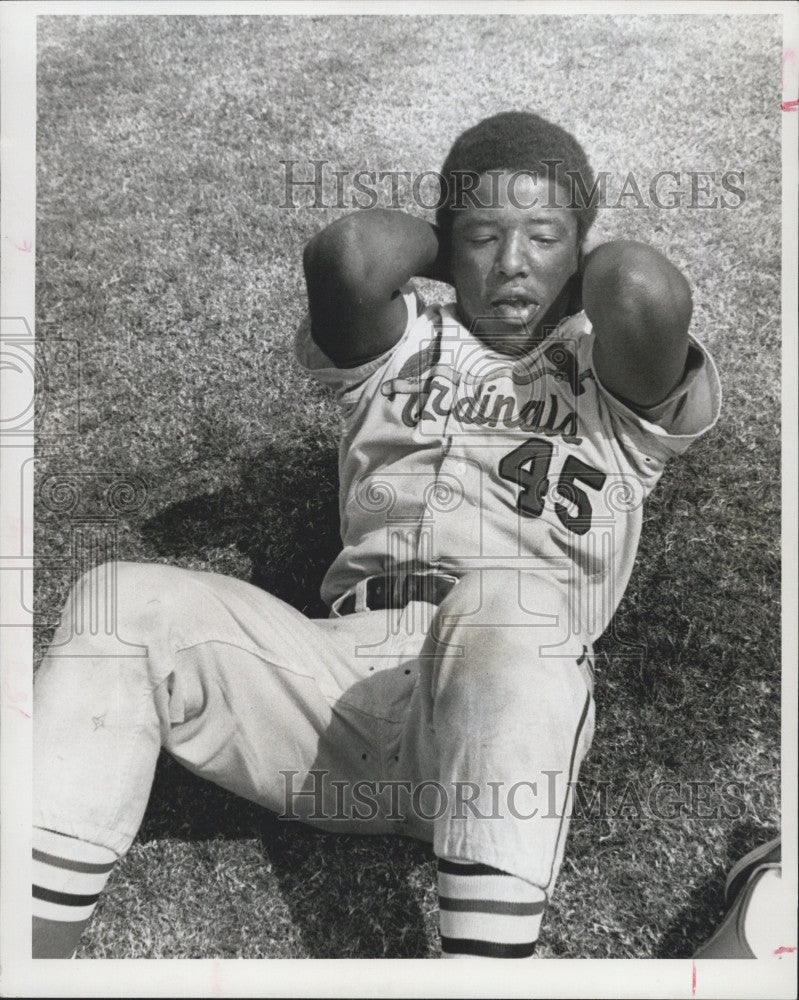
163,250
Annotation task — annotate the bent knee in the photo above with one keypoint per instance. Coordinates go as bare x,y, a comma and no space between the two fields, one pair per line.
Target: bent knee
131,579
130,585
116,604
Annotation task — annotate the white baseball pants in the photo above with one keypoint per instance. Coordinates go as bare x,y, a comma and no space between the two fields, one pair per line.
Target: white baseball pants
462,725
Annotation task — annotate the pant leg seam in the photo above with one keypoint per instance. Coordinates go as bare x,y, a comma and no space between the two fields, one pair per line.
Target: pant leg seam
252,650
576,743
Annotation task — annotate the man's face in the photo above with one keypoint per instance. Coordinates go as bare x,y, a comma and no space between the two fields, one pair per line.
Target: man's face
511,259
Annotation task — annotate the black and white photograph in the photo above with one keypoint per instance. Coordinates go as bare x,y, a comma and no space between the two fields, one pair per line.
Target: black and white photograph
399,504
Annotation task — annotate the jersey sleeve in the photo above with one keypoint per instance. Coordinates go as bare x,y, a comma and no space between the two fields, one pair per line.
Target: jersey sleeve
653,435
346,382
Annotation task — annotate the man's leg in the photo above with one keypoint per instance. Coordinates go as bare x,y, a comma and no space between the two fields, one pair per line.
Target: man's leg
506,693
234,683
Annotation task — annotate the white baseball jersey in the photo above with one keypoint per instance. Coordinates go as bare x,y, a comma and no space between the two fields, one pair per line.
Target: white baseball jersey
455,458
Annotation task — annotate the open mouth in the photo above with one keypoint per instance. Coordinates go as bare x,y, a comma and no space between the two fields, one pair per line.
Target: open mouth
515,306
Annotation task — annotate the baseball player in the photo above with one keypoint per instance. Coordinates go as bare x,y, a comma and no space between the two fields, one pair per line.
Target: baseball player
495,456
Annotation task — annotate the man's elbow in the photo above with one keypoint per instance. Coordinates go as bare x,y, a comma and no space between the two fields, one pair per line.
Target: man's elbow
640,306
335,256
651,290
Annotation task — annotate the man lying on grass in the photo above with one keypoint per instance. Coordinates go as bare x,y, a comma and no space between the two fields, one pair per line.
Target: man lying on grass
495,457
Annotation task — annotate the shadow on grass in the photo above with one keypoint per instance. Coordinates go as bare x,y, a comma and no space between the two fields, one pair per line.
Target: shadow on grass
348,895
355,896
280,512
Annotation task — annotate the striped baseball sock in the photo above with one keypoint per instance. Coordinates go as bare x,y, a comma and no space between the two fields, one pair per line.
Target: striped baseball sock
68,876
487,913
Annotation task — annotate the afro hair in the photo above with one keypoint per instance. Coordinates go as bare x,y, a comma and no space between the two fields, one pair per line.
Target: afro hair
515,140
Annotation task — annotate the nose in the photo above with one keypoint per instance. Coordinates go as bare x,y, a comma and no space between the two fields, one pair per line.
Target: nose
512,261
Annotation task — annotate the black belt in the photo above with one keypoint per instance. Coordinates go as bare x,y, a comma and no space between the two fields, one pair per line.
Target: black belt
398,590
